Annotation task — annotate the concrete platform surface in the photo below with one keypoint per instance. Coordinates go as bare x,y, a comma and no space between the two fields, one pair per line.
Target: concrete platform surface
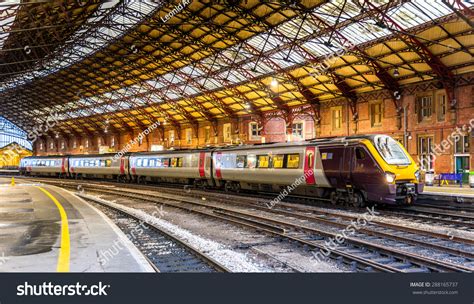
47,229
450,190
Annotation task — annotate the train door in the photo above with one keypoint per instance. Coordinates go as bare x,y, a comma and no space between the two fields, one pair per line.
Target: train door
202,163
122,166
63,166
346,166
309,161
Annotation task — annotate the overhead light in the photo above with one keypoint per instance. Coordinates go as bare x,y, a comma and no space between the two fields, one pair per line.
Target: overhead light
396,73
247,106
274,82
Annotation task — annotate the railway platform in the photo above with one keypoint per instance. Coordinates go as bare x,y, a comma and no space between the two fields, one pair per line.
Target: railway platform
449,193
48,229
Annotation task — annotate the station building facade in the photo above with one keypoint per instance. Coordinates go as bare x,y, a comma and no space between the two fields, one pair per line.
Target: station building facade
438,135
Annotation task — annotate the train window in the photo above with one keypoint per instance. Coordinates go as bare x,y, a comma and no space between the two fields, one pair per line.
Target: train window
360,154
165,162
176,162
145,162
241,161
159,163
293,161
251,161
102,163
97,163
152,162
277,161
108,162
263,161
139,162
228,161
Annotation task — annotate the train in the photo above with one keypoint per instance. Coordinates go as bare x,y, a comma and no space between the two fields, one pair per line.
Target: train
355,170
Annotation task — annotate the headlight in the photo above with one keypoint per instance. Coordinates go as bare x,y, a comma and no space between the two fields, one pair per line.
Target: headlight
390,177
418,175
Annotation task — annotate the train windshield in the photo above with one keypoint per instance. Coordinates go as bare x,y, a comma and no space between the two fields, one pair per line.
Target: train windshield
391,151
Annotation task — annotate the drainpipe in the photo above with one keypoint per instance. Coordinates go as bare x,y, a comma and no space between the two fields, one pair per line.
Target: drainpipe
405,126
348,123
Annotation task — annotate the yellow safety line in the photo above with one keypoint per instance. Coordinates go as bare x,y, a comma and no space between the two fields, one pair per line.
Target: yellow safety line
65,250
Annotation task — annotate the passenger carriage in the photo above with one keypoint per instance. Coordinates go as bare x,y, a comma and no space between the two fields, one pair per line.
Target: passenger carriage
56,166
354,170
107,166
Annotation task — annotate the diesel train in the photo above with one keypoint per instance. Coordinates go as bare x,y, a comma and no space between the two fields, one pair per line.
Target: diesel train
355,169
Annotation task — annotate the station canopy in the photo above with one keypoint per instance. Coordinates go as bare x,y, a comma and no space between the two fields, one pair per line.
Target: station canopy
114,66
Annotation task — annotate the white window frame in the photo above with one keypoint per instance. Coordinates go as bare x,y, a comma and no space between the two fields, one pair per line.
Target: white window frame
372,113
426,157
227,132
333,121
189,136
207,134
298,136
463,139
253,136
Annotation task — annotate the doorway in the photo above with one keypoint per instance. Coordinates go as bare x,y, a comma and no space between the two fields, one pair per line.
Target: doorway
462,166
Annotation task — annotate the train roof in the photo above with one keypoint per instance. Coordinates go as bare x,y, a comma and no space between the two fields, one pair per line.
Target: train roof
46,156
316,141
310,142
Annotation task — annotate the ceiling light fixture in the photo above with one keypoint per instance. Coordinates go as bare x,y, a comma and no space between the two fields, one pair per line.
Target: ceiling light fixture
274,82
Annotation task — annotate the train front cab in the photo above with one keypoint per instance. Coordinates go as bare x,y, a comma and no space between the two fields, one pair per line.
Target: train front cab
401,176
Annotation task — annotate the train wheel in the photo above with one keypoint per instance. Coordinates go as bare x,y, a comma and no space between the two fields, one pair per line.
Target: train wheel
358,200
228,186
334,198
236,187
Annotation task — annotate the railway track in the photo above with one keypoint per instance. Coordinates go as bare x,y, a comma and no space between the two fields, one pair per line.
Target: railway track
366,248
418,214
165,252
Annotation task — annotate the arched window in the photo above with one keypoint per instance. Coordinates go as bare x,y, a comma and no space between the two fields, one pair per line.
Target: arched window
10,133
